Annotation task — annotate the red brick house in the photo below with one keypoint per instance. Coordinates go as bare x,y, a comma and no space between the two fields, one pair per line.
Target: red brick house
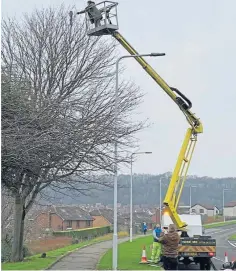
102,217
61,218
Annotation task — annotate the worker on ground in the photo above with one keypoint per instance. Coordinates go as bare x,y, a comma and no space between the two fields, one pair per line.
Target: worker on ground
94,13
170,243
144,228
156,246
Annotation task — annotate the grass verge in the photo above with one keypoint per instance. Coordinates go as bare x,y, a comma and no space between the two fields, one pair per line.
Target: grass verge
129,256
232,237
219,224
37,263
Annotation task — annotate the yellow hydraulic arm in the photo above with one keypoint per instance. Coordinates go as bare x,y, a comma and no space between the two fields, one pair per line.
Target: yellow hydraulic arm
178,178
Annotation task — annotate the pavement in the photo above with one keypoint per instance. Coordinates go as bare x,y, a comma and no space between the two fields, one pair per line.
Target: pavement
86,258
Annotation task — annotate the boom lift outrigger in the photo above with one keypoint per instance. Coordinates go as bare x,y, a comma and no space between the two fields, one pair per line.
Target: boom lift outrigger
108,10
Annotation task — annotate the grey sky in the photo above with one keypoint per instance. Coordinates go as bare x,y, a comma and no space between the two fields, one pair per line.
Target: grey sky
199,39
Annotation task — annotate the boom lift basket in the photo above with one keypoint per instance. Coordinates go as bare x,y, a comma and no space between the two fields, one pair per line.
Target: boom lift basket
106,23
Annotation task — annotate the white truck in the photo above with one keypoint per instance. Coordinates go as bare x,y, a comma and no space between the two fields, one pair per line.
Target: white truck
194,246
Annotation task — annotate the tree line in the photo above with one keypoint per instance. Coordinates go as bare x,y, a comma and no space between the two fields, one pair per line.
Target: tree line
146,190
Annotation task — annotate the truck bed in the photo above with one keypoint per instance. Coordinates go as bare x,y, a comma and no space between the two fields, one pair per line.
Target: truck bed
199,246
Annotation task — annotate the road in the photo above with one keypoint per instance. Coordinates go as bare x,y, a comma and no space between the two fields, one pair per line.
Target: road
221,235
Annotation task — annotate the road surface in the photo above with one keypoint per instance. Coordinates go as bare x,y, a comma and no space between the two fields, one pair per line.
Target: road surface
221,235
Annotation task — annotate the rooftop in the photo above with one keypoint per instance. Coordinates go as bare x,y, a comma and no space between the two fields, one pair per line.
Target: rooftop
230,204
208,207
71,212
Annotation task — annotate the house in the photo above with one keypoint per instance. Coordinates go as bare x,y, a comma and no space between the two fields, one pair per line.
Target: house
138,219
230,209
102,218
205,210
60,218
105,217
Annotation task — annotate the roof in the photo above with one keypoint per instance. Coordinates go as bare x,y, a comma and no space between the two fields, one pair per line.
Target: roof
231,204
71,212
208,207
108,214
139,217
142,217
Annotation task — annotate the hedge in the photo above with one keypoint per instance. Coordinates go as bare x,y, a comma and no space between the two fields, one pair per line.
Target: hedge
84,234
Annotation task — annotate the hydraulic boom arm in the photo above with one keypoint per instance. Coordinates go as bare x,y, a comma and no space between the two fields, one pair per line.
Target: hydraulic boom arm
181,168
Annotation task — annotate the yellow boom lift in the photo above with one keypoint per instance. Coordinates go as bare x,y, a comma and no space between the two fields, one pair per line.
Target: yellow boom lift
101,19
108,25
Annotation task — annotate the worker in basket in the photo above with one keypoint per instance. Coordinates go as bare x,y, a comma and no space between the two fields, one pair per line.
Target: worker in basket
94,13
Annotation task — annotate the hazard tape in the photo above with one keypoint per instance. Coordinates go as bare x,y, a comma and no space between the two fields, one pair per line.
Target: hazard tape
197,249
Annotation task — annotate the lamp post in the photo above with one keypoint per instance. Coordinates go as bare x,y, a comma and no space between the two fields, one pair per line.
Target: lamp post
190,197
225,189
131,192
114,248
160,200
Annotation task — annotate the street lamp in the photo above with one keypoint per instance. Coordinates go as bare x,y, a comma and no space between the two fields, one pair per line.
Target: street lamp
160,200
225,189
190,197
131,192
114,249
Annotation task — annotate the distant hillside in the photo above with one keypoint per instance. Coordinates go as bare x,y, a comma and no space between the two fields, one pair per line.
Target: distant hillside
206,190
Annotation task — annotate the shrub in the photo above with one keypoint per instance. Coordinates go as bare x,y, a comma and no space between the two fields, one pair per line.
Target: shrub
5,251
6,248
84,234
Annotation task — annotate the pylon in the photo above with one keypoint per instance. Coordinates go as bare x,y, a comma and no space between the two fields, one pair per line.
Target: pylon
144,257
226,258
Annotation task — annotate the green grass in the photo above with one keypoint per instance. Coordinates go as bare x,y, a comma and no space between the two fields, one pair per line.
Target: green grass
37,263
219,224
129,256
232,237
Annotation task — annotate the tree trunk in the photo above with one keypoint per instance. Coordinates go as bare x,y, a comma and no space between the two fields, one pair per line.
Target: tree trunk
19,220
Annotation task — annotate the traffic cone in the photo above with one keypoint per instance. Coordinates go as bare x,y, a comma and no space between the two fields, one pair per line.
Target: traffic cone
226,258
144,257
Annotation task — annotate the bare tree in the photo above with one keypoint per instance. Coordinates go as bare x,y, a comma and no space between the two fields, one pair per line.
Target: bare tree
58,109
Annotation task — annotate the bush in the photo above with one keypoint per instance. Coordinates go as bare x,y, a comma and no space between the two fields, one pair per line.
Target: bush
5,251
26,251
84,234
6,248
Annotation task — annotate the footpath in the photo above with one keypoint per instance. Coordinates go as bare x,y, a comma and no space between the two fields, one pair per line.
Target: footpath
86,258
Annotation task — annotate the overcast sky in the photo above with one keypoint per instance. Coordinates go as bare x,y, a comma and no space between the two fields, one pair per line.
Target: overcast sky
199,39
